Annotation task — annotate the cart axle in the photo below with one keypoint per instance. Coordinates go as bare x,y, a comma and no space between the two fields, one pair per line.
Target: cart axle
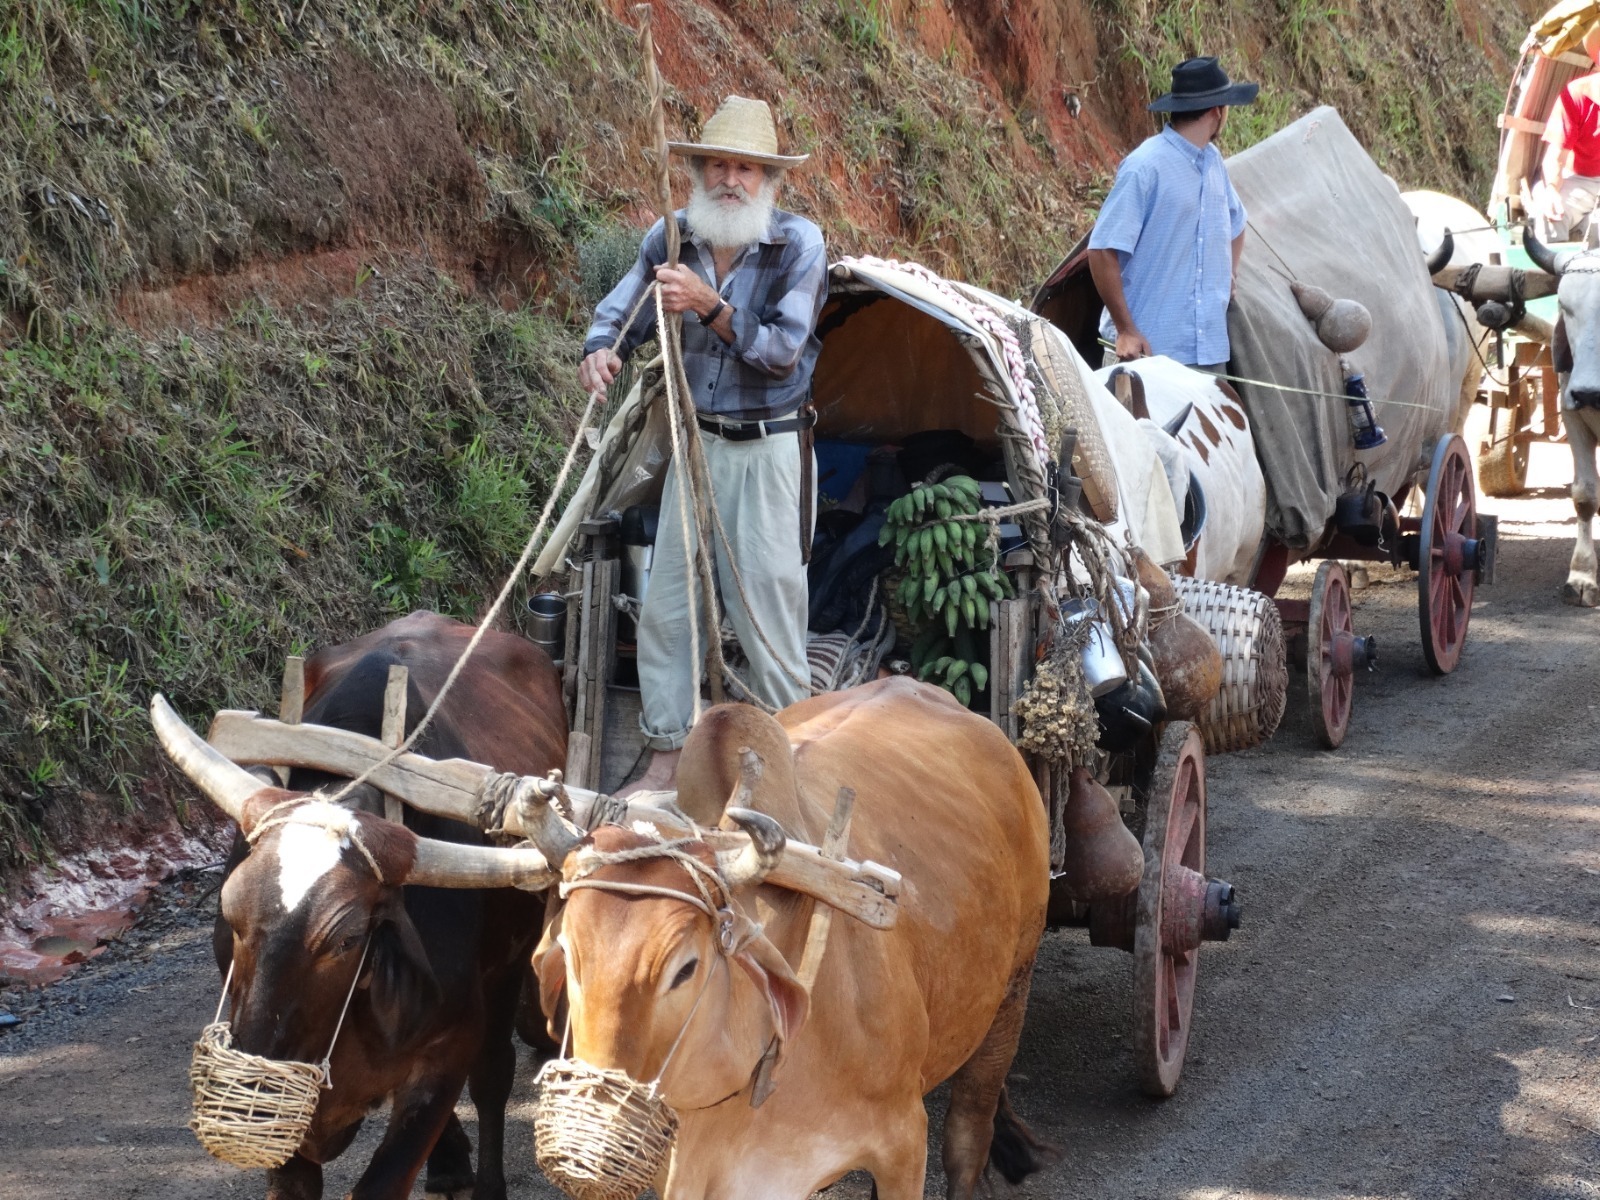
1461,554
1194,910
1347,651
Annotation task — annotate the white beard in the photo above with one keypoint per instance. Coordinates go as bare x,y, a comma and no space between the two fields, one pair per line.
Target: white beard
726,226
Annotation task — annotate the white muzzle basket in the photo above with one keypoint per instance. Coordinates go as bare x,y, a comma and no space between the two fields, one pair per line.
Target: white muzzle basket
248,1110
598,1134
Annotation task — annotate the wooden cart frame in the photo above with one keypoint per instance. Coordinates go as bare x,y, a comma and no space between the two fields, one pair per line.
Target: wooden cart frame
1161,784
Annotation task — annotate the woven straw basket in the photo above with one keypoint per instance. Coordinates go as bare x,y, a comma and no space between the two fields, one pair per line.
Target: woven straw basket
248,1110
600,1135
1255,677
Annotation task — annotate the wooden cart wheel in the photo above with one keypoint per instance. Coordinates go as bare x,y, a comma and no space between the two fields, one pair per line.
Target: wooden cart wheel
1447,552
1330,674
1164,963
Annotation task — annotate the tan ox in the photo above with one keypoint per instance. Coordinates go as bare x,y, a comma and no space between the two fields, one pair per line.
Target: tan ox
944,799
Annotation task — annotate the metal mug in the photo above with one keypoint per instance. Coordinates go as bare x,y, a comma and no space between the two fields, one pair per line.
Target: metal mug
547,623
1102,665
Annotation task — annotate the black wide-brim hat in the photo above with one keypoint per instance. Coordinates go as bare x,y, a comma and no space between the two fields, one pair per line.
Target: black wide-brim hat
1201,83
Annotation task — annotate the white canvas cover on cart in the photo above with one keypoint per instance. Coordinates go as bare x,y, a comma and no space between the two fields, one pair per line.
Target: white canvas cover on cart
1321,212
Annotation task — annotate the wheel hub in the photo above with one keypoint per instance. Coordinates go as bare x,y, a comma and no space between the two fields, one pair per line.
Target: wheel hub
1195,909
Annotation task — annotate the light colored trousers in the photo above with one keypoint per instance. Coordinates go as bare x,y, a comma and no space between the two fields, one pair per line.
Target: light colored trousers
1578,195
757,486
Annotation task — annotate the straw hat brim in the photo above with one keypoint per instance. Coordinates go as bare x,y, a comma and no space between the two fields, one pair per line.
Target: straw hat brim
703,150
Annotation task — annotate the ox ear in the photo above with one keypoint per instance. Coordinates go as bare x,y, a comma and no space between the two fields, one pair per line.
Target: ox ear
550,965
771,974
1561,348
404,992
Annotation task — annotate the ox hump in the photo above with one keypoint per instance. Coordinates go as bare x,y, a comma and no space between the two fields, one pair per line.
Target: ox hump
310,844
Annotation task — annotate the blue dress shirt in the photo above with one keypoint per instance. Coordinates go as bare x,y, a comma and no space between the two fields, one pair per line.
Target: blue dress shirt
1172,216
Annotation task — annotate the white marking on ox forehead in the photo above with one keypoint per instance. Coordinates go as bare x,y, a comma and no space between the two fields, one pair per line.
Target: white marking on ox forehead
309,845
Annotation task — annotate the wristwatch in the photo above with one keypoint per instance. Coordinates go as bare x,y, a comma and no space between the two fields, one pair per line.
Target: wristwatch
714,313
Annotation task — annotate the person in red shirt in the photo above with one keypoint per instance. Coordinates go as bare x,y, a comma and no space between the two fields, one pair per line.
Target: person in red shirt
1572,155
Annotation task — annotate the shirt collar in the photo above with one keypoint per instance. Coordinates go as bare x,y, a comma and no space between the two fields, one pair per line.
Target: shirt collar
1195,154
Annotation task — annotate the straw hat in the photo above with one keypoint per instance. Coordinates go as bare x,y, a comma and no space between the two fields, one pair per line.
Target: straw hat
741,129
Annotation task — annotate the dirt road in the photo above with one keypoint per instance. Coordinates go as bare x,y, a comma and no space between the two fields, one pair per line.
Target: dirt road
1410,1012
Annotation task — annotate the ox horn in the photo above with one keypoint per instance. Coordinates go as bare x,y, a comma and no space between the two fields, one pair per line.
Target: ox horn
451,865
755,862
1440,258
1546,259
543,825
228,785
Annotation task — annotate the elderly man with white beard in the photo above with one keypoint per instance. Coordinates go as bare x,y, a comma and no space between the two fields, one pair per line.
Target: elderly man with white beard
750,287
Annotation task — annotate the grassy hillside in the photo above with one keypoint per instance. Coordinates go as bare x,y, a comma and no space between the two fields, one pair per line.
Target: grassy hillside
291,292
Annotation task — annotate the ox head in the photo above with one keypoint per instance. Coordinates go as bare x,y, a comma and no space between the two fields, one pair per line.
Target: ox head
1575,343
664,974
318,898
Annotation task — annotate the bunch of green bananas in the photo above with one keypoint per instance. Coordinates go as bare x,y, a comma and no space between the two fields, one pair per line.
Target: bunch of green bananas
944,583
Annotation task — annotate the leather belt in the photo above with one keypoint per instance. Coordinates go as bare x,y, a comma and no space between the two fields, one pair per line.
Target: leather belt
749,431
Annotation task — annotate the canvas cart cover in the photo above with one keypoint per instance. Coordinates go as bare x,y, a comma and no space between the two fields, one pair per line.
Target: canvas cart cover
1032,385
1321,212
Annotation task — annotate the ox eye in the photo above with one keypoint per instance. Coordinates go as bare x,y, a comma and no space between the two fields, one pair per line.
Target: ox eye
685,973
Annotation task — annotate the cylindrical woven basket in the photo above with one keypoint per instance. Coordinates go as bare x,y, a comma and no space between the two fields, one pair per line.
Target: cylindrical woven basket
1255,676
248,1110
600,1135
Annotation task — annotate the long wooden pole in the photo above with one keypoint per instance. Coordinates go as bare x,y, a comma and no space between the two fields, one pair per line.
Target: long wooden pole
693,473
658,122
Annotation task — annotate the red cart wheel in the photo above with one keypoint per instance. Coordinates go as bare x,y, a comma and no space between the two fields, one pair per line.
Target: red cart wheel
1167,936
1330,671
1447,555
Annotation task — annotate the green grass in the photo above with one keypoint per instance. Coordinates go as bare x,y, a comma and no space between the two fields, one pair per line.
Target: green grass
181,512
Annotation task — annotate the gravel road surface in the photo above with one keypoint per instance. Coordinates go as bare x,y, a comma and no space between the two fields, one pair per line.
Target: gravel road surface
1410,1012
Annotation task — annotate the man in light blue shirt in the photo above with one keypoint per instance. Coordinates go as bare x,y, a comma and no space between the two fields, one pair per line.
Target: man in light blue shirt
1164,250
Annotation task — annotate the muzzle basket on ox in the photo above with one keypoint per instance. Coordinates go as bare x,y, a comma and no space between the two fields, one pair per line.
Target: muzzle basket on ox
248,1110
598,1134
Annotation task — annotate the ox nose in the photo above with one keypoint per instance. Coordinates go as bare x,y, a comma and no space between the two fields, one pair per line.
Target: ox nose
1585,397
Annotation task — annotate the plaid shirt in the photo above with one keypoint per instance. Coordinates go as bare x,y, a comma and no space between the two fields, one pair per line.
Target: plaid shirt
776,287
1172,216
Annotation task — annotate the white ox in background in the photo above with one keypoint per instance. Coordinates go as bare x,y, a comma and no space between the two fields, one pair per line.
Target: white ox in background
1575,349
1472,241
1198,426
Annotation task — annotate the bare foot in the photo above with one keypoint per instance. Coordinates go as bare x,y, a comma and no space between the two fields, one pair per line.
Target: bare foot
660,776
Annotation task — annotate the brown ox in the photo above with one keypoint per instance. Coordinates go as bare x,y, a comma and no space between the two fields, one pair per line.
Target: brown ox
944,799
437,995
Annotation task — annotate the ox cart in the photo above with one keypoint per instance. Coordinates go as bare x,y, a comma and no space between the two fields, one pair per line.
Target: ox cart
1335,488
1524,405
918,380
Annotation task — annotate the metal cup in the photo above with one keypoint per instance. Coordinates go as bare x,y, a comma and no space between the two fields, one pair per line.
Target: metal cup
547,623
1102,664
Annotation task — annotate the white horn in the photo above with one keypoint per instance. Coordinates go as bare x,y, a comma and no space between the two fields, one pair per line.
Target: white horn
449,865
228,785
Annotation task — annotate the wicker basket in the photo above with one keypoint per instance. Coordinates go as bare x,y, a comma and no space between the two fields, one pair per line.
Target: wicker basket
600,1135
248,1110
1255,677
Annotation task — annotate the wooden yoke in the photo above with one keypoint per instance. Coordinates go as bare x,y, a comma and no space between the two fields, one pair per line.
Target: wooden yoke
455,788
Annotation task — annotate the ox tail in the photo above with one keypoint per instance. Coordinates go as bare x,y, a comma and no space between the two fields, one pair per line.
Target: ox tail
1016,1151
